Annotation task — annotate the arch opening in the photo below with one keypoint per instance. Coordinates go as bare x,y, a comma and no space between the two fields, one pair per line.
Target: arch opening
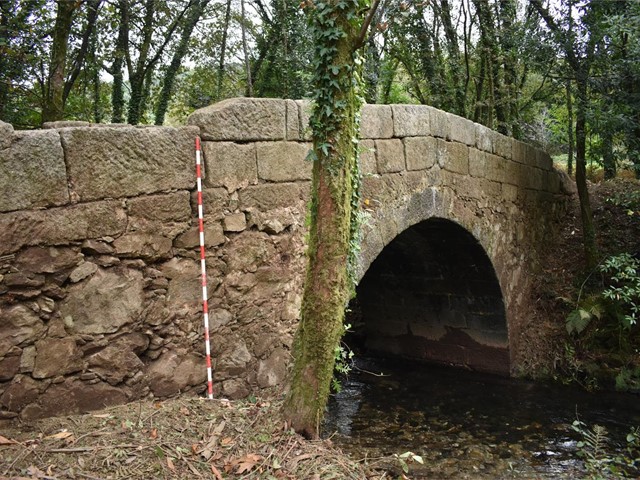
432,295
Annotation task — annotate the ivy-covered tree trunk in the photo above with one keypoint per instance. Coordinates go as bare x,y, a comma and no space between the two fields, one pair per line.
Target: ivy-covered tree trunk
338,29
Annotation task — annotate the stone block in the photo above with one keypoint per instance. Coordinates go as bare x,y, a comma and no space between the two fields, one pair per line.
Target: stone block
61,225
420,152
368,165
230,165
19,325
213,236
165,208
453,156
509,193
495,168
513,172
6,135
269,196
143,244
56,356
502,145
235,222
32,171
47,259
477,162
304,112
519,151
376,121
242,119
9,367
390,156
293,131
129,161
283,161
552,181
462,130
439,123
411,120
214,202
544,160
65,124
118,297
484,138
74,396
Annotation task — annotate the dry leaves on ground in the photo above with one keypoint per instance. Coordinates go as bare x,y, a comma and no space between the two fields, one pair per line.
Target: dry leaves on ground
182,438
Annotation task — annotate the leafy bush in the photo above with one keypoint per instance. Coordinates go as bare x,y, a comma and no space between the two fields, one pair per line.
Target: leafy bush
624,289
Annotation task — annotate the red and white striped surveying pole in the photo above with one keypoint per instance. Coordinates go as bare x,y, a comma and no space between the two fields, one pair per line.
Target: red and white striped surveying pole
203,268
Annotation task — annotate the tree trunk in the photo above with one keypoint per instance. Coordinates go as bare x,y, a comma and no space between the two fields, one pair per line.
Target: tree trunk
608,158
122,44
335,189
223,49
176,61
569,128
245,50
588,229
53,108
93,7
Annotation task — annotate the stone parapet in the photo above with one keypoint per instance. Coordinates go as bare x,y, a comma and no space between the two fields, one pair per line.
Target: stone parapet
99,243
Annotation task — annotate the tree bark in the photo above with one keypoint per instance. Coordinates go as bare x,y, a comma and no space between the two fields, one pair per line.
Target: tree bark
223,49
333,212
93,7
588,228
190,23
122,44
569,128
53,107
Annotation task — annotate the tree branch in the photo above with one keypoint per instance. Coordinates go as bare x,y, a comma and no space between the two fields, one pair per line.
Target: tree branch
365,26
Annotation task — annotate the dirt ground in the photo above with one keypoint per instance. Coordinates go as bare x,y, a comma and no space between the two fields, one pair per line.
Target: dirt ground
199,438
179,438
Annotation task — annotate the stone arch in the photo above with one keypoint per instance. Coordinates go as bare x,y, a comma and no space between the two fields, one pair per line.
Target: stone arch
423,301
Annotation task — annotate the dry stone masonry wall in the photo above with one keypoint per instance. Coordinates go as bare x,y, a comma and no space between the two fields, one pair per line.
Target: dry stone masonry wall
99,270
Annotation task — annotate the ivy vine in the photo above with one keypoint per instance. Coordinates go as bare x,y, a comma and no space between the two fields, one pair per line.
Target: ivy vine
337,99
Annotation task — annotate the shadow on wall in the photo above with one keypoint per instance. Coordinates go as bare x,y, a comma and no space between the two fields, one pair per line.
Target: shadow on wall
432,294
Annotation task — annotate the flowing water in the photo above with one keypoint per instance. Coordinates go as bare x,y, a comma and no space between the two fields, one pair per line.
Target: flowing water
471,425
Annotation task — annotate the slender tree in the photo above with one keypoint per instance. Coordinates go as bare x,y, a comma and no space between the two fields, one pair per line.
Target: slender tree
579,60
190,21
53,106
339,29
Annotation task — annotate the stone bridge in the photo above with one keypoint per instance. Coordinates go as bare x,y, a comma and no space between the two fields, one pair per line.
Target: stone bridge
99,271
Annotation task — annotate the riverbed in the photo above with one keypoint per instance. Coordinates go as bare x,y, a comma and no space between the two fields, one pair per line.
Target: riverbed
465,424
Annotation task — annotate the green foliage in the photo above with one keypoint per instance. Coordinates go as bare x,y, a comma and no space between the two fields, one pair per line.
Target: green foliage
406,458
600,462
578,320
628,380
624,289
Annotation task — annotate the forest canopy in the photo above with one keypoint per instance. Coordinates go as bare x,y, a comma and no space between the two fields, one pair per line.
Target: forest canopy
527,68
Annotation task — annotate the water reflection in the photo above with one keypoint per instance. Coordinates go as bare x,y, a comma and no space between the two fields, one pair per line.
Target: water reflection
470,425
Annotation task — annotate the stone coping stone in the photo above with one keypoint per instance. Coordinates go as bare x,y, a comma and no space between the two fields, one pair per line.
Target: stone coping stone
128,161
32,171
242,120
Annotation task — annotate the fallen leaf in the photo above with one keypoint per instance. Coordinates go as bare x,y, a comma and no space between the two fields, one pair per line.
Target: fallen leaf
35,472
216,472
60,435
154,434
226,441
6,441
170,464
246,463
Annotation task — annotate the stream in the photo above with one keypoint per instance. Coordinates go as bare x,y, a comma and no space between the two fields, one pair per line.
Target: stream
471,425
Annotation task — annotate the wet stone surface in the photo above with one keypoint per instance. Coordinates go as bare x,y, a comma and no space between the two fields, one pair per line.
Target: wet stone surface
470,425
